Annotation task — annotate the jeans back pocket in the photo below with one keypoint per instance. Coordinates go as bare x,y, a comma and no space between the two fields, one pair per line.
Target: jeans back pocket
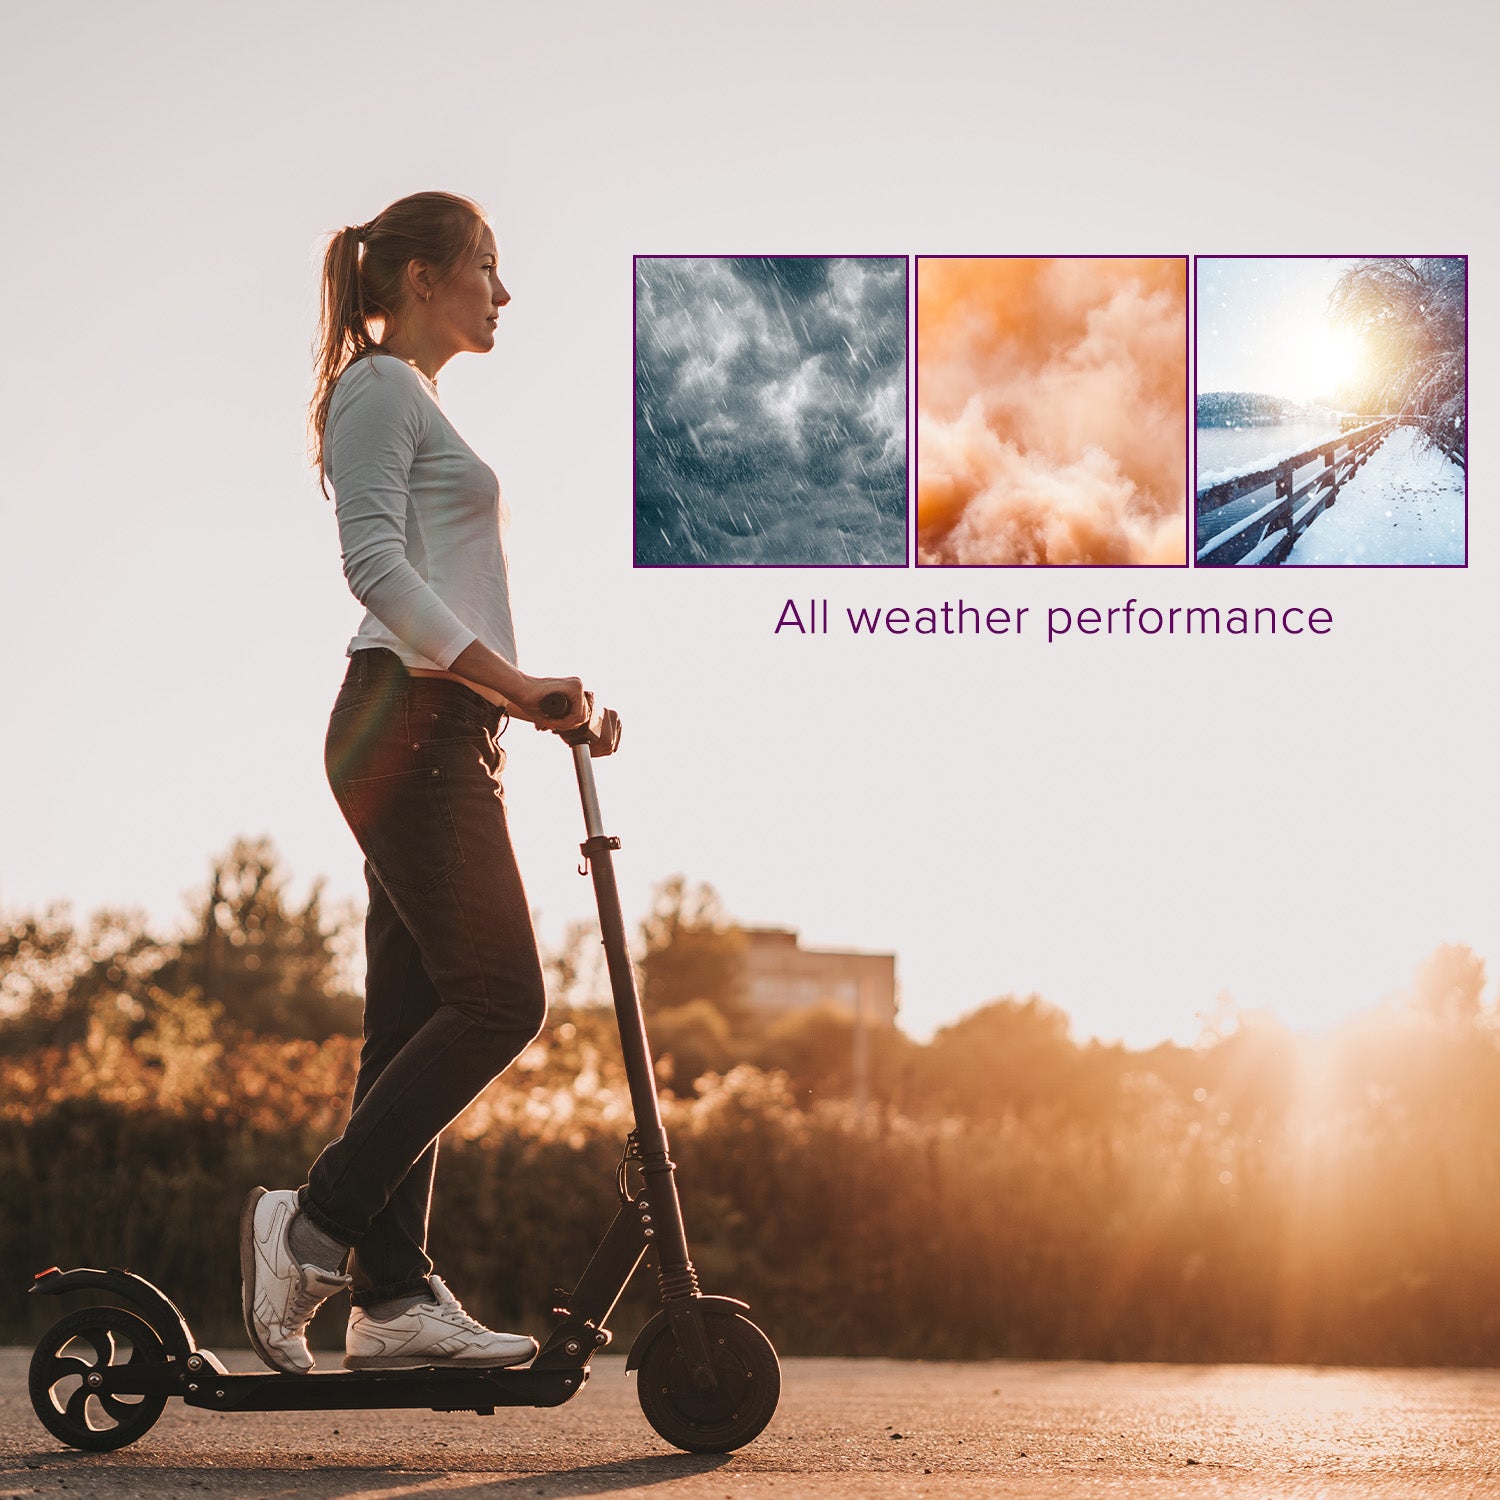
403,822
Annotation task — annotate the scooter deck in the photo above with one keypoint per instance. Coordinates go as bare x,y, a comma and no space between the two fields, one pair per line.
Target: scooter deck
432,1387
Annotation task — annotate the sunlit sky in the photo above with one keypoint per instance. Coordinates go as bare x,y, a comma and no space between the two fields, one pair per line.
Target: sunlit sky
1126,827
1263,326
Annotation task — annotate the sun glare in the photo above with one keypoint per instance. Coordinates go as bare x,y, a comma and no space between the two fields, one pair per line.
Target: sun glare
1331,360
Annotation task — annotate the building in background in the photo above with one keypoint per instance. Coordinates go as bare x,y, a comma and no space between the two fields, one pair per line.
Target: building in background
779,975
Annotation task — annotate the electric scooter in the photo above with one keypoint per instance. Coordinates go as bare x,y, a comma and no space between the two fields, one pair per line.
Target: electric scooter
708,1378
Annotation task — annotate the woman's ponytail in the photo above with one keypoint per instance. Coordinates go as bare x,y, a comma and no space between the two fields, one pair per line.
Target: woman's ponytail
343,332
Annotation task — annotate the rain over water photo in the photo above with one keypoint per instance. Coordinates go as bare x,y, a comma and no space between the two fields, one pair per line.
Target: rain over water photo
770,411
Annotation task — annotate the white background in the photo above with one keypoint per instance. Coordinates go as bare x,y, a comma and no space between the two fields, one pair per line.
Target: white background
1126,827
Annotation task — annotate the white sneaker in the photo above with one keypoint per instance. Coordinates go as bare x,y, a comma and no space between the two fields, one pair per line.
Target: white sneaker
279,1294
431,1333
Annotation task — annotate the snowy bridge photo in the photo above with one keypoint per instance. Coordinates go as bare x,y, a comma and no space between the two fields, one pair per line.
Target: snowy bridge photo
1289,349
1376,495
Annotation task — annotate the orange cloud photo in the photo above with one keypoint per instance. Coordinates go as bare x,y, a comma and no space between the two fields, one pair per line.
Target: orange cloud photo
1051,420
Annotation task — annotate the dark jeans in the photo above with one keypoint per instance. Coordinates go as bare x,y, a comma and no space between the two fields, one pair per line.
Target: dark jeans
454,987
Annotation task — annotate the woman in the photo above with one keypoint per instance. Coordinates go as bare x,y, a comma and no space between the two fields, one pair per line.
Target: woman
454,987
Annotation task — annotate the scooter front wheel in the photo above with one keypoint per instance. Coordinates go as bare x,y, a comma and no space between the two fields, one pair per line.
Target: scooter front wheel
66,1369
732,1414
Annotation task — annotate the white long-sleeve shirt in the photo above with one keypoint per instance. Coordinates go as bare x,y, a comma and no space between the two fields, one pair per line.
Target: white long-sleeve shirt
421,520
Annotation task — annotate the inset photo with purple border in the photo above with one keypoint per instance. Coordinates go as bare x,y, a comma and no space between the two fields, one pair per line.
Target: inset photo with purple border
770,411
1331,399
1052,411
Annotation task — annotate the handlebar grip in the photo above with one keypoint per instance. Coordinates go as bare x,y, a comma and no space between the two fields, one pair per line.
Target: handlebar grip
600,731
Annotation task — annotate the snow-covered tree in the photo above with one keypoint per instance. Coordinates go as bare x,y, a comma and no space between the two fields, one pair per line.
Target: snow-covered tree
1413,316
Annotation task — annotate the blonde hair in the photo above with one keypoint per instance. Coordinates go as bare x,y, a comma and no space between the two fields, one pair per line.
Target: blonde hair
364,268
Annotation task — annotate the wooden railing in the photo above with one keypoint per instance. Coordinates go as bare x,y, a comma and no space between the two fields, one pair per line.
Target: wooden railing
1227,535
1453,446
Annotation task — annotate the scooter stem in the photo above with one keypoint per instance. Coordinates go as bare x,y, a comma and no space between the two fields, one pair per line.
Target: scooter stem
674,1268
597,851
583,764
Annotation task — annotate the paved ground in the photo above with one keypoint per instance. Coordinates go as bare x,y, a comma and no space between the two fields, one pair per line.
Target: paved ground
845,1428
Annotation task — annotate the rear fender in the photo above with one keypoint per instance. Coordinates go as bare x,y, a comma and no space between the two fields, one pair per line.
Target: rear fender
153,1304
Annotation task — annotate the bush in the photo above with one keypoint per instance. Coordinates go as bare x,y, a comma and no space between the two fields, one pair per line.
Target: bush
1217,1210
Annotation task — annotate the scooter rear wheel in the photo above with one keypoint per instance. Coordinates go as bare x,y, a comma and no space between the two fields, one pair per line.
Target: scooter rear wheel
79,1346
732,1414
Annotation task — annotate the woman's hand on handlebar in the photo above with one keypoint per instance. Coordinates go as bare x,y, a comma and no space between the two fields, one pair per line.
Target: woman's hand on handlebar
538,689
523,695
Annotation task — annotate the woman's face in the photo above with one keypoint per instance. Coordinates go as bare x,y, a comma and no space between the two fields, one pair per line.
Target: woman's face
467,306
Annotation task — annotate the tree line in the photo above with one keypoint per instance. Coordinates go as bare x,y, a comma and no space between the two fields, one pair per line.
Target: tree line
1007,1190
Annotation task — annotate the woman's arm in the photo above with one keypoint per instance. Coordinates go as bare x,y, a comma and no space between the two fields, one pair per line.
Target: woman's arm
372,443
523,693
374,430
